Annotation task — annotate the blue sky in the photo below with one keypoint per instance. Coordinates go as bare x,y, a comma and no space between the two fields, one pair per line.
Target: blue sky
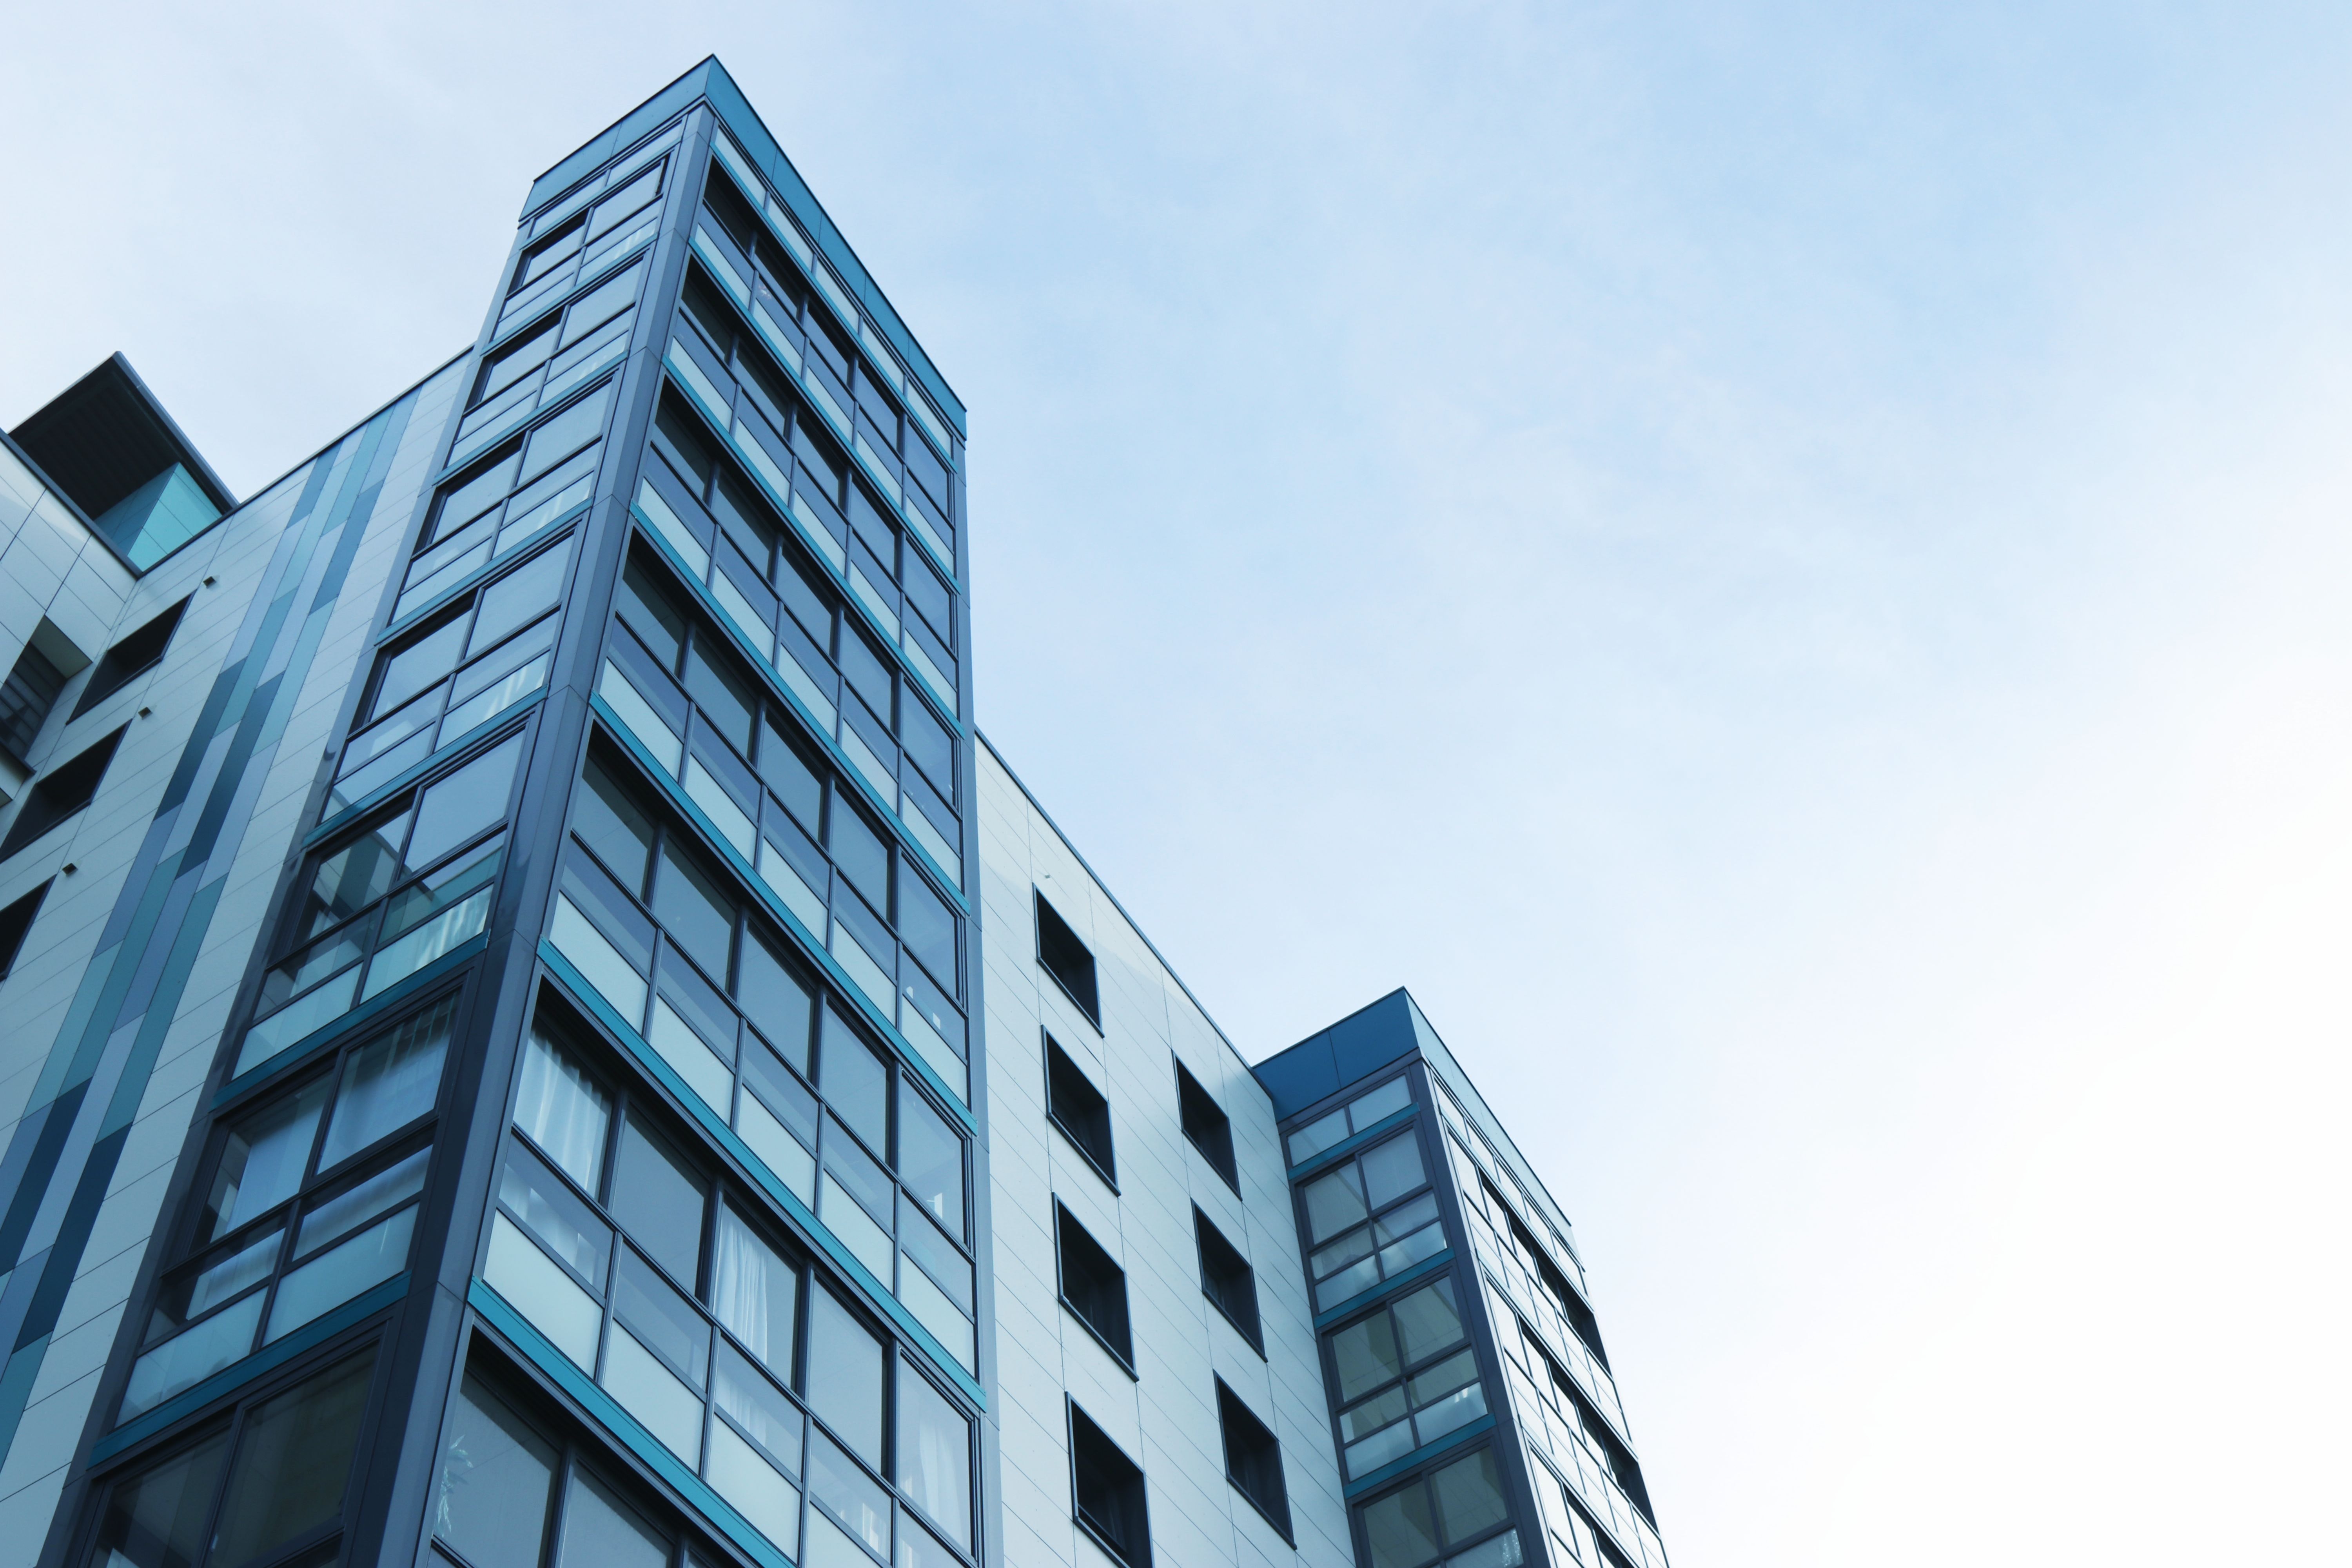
1783,567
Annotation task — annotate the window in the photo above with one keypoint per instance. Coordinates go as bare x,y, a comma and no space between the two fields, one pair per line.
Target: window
34,683
650,924
1106,1490
1444,1513
58,795
672,681
1205,1123
1575,1538
1356,1116
381,902
667,1287
16,921
1533,1254
308,1202
1226,1279
1076,1106
1405,1376
1093,1287
1253,1458
1069,961
441,682
1555,1388
508,498
131,657
278,1472
1364,1222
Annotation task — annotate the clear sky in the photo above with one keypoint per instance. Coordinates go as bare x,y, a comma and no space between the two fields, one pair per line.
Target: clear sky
1785,567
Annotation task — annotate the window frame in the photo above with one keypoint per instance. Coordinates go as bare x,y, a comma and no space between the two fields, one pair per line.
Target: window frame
1104,1164
1066,1225
1205,1235
1274,1510
1085,1432
1055,933
1213,1140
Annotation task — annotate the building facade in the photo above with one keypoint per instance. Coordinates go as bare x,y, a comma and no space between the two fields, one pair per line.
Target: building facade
539,1035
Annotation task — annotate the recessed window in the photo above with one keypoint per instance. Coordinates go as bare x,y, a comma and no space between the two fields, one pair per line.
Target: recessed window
1206,1124
1107,1491
1076,1106
1556,1387
1253,1458
1226,1279
1069,961
29,693
15,921
1093,1287
131,657
60,794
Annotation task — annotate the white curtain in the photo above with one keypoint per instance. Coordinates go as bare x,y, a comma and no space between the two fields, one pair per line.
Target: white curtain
563,1111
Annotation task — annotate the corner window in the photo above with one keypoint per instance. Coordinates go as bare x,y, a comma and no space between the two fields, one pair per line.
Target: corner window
1206,1126
1093,1287
34,682
62,791
1069,961
1554,1387
1227,1280
279,1472
1444,1514
1106,1490
1253,1459
1364,1110
380,904
1365,1222
1075,1105
308,1203
1405,1376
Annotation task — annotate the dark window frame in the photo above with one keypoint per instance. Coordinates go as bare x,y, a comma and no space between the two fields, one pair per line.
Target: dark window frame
146,644
1206,1126
1059,950
62,793
1103,1277
16,923
1095,1457
1218,1259
1081,1124
1260,1450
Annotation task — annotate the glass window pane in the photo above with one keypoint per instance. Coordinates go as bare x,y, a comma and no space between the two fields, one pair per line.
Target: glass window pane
844,1377
608,821
1335,1202
657,1198
1469,1496
264,1160
1386,1101
854,1082
515,598
934,1455
656,1311
1428,1320
563,1111
157,1520
723,693
292,1462
755,1294
649,610
689,905
851,1494
418,665
928,928
495,1473
601,1532
930,1160
352,878
340,1273
1392,1170
1399,1528
1366,1354
744,1393
858,850
346,1210
465,803
389,1084
555,1214
774,999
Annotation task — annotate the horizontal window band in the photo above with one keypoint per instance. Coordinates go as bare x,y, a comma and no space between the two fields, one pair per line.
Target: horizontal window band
589,1000
812,947
1421,1456
1428,1268
267,1359
606,1411
312,1046
1355,1143
408,776
952,886
473,579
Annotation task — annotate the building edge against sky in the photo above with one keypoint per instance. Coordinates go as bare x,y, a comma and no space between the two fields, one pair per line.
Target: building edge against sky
543,1035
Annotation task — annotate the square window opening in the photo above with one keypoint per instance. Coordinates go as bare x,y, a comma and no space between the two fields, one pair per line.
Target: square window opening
1107,1492
1227,1279
1076,1106
1093,1287
1069,961
1253,1459
1207,1126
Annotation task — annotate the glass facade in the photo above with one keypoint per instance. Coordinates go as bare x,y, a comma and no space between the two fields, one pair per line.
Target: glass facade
583,1106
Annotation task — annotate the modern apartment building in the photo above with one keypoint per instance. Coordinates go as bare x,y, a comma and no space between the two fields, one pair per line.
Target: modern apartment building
538,1034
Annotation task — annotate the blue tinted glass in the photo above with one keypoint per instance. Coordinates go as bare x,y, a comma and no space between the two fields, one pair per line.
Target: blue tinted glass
465,803
854,1082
